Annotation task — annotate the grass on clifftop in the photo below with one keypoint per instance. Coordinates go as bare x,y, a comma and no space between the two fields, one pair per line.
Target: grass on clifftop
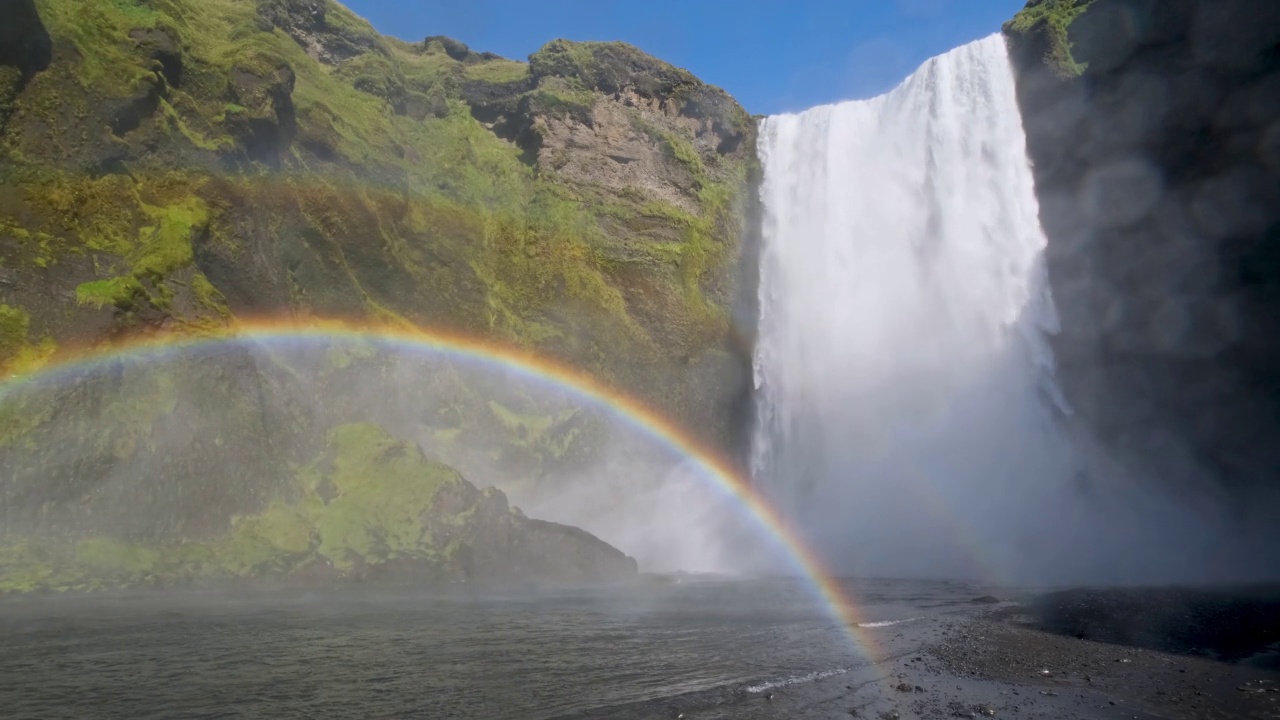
1056,17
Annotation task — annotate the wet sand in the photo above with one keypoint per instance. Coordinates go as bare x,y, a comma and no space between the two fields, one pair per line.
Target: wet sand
1001,661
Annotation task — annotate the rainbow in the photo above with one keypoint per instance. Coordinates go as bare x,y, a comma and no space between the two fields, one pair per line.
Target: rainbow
576,382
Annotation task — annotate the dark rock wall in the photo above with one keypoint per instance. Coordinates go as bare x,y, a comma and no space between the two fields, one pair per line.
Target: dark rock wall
1158,173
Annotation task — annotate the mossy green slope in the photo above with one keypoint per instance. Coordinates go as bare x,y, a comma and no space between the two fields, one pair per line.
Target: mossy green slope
176,163
366,507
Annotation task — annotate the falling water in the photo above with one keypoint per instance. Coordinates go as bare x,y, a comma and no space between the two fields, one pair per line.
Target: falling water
906,405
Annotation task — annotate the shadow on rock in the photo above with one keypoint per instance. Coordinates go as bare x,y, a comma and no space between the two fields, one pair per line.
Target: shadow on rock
1228,624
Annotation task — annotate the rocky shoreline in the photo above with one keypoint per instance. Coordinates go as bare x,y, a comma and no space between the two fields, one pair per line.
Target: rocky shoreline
1011,660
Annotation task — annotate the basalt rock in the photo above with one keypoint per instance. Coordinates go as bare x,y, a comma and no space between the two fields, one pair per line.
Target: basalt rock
25,49
1155,141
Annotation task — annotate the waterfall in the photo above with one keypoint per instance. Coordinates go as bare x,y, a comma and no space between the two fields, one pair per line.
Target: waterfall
907,415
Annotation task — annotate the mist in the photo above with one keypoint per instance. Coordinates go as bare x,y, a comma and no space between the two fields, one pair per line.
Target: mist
910,416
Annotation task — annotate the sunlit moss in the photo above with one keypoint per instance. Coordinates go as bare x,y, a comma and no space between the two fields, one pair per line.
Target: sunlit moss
383,488
418,215
366,499
272,540
99,31
120,292
563,96
166,245
1055,17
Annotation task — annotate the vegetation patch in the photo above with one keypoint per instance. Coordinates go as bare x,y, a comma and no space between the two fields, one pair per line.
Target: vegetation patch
121,292
497,72
365,500
308,165
165,246
1054,18
17,353
13,330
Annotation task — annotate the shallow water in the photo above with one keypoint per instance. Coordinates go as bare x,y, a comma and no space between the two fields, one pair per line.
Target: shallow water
623,652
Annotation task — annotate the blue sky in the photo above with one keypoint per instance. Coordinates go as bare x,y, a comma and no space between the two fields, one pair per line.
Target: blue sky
772,55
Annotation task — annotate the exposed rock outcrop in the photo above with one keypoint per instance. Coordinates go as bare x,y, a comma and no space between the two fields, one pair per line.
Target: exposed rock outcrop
25,49
1156,148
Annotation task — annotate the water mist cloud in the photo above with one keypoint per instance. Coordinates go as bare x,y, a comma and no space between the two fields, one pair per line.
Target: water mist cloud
909,415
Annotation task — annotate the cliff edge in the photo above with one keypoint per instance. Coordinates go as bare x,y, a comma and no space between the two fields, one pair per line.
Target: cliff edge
1154,131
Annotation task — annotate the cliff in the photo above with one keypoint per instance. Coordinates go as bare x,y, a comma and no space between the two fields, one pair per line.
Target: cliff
173,167
1154,131
176,165
365,508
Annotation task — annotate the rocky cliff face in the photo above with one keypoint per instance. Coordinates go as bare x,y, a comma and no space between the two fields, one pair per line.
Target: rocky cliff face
176,164
1154,130
171,167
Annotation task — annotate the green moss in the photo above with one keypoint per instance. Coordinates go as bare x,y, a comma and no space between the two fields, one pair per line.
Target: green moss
273,540
372,209
115,558
99,30
166,246
13,331
497,71
10,79
375,74
1055,18
563,96
121,292
18,355
100,212
366,499
207,295
546,438
383,489
563,58
350,26
198,139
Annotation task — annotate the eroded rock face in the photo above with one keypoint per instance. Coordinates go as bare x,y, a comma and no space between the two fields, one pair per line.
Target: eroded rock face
1158,172
309,23
628,132
25,49
24,41
262,116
